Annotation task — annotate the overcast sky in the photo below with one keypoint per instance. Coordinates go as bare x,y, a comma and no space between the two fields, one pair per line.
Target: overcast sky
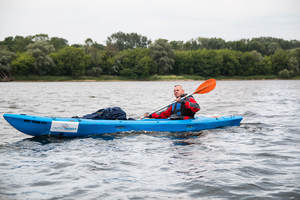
77,20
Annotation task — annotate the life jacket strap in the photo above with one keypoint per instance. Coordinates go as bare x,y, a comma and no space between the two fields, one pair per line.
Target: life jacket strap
176,108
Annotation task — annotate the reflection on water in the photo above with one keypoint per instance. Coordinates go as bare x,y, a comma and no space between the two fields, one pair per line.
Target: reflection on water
258,159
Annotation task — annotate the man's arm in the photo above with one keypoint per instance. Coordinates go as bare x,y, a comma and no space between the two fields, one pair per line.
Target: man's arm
162,115
191,104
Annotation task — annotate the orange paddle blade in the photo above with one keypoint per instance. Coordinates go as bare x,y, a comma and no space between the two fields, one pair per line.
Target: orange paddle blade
206,87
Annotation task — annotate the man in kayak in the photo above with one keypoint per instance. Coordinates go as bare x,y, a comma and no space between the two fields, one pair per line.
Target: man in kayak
181,109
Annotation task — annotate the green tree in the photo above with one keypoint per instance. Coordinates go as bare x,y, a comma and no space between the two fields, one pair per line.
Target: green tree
118,39
282,44
240,45
94,51
58,43
5,68
163,54
205,62
109,64
267,66
210,43
295,44
23,64
40,37
284,73
111,49
187,46
182,62
230,62
145,67
279,61
254,45
203,42
257,56
70,61
77,45
20,43
136,63
95,71
295,53
115,68
193,44
43,64
293,66
131,58
216,43
8,43
17,44
260,67
177,45
95,54
87,43
246,64
125,41
272,47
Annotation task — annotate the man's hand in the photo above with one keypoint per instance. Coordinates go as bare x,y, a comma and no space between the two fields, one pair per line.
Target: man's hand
177,99
146,115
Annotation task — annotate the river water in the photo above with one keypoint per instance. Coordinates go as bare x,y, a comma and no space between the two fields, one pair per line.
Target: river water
260,159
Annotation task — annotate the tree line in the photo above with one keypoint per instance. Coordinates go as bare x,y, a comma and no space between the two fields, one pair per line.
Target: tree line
135,56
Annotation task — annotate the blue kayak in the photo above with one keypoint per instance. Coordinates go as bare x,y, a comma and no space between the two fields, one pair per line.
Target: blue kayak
74,127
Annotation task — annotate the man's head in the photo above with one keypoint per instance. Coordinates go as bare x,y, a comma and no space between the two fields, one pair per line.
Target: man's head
178,91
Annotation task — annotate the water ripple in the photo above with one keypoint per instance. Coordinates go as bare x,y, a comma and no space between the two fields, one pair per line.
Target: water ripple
260,159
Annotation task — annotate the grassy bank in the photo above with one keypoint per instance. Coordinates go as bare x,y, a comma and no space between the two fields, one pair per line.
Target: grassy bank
69,78
150,78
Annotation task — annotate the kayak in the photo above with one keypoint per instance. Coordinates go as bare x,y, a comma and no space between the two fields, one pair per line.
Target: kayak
76,127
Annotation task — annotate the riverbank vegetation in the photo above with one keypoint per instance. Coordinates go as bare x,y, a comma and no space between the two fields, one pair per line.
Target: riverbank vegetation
134,57
184,77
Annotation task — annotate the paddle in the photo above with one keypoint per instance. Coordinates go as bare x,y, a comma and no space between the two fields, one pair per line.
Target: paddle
205,87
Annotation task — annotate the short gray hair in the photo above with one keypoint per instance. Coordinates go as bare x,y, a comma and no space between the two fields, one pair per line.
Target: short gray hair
178,86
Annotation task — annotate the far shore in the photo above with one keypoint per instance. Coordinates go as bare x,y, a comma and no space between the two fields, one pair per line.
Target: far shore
106,78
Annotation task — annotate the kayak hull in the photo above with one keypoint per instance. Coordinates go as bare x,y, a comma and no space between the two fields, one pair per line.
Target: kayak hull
73,127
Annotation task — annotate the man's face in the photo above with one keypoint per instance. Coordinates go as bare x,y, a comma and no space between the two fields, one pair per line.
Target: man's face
178,91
